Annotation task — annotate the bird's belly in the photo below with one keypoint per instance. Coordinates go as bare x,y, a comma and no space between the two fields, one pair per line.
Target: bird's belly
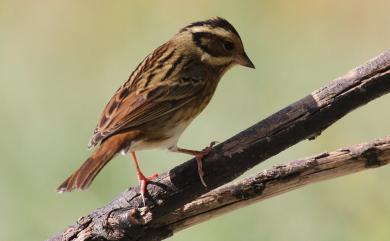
165,132
168,139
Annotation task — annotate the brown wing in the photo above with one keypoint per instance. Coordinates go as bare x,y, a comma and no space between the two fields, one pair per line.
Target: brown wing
140,107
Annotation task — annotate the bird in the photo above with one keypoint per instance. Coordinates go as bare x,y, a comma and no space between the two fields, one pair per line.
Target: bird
162,96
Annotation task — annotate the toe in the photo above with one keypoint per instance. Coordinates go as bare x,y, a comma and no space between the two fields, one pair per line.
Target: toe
154,175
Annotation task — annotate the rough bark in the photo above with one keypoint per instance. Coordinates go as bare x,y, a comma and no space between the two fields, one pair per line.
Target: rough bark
125,218
278,180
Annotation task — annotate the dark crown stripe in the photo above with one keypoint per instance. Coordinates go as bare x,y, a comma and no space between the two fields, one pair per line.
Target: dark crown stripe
214,23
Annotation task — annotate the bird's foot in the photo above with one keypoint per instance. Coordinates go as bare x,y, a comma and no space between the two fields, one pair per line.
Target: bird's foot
143,182
199,156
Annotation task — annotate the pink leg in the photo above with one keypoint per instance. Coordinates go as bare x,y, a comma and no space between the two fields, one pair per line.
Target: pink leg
143,181
199,156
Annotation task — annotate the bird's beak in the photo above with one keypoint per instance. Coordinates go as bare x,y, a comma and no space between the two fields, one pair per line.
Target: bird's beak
243,59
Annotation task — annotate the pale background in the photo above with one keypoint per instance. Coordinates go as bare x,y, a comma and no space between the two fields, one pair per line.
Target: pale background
60,62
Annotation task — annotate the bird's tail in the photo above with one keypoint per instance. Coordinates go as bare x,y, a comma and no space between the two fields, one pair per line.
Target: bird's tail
83,177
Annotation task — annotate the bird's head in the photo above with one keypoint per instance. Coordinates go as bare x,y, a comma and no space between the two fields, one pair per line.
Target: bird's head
216,42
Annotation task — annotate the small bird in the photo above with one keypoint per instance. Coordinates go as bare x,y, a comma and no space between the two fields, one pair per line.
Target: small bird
165,92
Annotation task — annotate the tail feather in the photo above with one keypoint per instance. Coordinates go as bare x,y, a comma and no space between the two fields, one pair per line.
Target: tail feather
83,177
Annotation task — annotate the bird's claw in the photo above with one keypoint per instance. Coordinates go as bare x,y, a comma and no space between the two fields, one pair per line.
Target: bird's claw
199,159
208,149
143,182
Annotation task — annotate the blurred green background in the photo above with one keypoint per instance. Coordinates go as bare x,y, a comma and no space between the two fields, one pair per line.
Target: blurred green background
60,62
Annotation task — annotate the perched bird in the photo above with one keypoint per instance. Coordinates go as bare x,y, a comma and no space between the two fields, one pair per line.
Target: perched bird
166,91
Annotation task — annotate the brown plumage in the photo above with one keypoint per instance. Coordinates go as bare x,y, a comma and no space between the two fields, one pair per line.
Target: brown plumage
84,176
166,91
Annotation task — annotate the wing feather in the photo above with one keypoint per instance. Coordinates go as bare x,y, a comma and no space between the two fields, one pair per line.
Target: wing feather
140,107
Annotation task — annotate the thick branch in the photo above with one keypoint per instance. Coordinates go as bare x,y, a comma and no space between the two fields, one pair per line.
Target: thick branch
278,180
304,119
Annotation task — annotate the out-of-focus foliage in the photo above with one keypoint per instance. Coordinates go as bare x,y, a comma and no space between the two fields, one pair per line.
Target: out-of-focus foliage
60,61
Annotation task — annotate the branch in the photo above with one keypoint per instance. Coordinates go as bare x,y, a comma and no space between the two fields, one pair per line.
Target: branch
278,180
304,119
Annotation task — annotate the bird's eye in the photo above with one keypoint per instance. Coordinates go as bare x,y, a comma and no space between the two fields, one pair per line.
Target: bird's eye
228,45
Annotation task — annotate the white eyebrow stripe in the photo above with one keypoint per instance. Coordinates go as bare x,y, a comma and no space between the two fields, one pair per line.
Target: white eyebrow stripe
215,30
